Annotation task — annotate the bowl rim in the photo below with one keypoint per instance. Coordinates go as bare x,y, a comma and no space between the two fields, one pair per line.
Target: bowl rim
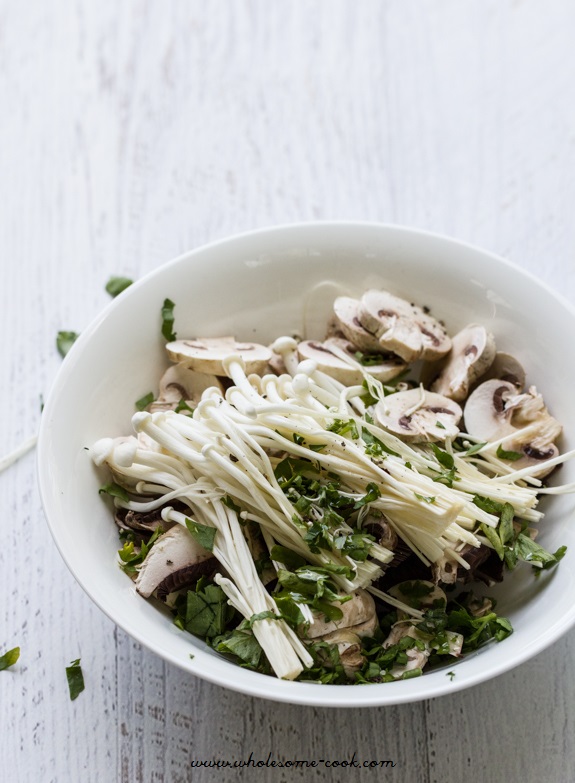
205,664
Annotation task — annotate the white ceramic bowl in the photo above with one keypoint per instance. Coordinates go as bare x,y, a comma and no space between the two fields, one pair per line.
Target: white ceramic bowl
254,286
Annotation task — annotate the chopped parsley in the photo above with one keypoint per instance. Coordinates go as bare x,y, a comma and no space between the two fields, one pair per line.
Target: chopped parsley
9,658
168,320
205,611
75,679
144,401
203,534
115,491
64,341
116,285
512,456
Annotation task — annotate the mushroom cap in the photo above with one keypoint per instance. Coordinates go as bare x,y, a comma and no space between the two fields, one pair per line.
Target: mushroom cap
349,372
419,416
207,354
349,648
495,410
402,327
359,609
346,311
180,382
486,415
472,352
506,367
172,551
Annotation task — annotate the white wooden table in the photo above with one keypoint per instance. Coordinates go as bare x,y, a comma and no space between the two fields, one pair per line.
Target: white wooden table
131,132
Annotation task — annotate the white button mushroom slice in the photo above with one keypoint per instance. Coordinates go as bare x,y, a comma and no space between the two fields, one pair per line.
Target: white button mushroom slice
383,365
506,368
349,648
348,371
486,413
359,609
495,410
174,550
180,382
346,312
402,327
419,416
207,354
472,352
329,363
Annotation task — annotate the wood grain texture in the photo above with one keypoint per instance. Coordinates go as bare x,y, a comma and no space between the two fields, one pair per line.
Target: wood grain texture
134,131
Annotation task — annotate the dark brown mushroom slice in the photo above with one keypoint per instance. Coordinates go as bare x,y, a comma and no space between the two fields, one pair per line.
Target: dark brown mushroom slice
186,577
172,551
409,569
450,571
379,527
147,521
491,570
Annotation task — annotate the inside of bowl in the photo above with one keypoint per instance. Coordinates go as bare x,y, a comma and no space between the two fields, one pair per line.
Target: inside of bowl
257,287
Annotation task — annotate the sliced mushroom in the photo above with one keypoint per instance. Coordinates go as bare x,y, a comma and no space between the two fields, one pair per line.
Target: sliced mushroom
173,551
358,610
416,658
347,371
349,649
146,522
447,570
472,352
487,415
180,382
495,410
276,364
377,525
419,594
346,312
185,577
506,368
419,416
207,354
403,328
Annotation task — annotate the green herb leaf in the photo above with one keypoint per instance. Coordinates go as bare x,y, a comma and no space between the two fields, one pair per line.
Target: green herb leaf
375,447
557,555
512,456
231,504
9,658
183,407
115,491
243,644
425,499
168,320
443,457
531,552
64,341
369,359
203,534
144,401
75,679
287,557
372,494
492,536
506,531
207,612
489,505
116,285
475,448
